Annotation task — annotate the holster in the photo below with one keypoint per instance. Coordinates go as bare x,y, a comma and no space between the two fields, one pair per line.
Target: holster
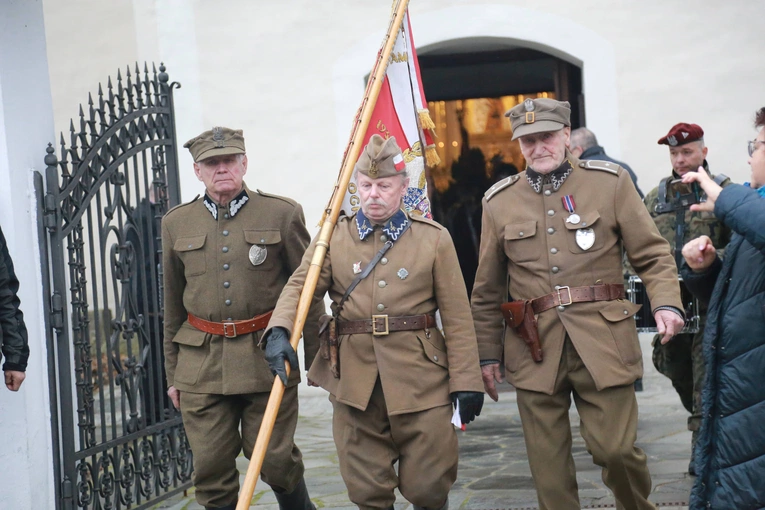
519,315
328,345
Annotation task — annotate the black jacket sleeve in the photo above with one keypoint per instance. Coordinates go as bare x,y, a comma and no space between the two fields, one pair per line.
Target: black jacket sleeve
14,342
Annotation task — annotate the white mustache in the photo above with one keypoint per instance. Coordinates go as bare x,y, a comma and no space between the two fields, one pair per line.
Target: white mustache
375,201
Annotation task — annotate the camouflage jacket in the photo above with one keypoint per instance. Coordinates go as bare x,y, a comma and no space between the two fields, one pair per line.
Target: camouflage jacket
695,223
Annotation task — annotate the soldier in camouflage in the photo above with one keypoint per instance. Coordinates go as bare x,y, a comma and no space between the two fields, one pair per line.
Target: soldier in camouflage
681,360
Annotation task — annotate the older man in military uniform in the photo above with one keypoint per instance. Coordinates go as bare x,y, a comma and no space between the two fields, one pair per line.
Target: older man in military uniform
397,376
552,239
227,256
682,360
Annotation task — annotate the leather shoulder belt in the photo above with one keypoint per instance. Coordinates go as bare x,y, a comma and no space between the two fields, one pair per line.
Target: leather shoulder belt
380,325
566,295
231,329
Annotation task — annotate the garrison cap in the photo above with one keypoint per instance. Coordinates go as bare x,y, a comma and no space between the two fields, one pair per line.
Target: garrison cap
682,133
381,157
219,141
539,116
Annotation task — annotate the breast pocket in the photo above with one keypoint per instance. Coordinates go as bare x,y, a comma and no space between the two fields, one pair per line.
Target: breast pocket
587,235
520,242
264,247
189,250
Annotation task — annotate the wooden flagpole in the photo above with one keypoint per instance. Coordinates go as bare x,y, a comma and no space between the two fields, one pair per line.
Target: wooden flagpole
329,220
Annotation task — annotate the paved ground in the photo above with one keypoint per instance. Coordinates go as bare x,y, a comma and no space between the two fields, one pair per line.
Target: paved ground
493,471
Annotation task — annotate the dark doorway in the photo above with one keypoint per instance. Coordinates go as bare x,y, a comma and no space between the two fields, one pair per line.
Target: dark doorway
470,83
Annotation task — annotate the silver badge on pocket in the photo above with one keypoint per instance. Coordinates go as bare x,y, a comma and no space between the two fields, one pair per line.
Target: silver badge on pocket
585,238
258,255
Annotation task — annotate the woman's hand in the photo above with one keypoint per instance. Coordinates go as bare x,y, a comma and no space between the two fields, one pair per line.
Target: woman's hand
710,187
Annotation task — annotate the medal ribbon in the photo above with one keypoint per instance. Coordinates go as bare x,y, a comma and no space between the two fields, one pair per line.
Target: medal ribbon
568,203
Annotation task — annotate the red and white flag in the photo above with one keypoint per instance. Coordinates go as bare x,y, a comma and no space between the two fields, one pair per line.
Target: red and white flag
401,111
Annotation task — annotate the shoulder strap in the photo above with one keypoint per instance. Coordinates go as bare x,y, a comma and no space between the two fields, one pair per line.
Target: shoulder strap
368,269
720,178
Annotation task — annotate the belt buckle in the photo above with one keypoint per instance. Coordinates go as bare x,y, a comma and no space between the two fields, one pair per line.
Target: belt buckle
375,331
560,299
226,326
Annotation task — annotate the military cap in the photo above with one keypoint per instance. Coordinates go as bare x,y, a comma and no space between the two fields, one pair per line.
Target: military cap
682,133
218,141
381,157
539,116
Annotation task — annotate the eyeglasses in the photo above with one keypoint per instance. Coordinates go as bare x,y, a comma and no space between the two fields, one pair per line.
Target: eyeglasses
752,146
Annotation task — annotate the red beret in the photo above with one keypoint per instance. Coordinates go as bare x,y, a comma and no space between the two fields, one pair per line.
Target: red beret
682,133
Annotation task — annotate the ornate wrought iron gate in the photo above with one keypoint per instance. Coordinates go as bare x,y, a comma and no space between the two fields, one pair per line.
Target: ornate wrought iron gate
119,441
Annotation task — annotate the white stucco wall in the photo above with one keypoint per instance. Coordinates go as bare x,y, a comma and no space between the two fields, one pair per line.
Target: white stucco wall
26,126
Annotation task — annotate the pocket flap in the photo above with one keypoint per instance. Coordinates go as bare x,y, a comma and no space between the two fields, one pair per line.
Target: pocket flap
619,310
524,230
262,236
587,220
433,353
189,243
189,335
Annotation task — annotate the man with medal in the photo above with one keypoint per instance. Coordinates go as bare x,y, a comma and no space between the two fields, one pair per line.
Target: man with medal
551,245
226,257
394,376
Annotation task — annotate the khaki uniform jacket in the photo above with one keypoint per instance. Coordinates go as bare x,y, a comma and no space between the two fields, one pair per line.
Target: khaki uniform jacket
417,369
527,248
201,279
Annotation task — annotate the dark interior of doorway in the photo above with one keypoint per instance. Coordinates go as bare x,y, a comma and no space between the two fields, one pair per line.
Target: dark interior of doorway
468,85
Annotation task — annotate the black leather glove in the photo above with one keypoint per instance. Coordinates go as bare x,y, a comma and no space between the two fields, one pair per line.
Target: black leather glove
278,349
471,403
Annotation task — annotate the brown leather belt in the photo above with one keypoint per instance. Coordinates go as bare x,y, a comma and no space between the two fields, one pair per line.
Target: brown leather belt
381,325
566,295
231,329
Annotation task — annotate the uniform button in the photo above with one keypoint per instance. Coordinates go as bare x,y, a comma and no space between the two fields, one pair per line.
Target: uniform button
557,287
553,250
561,308
380,307
383,261
550,230
548,192
551,213
225,215
262,240
555,269
520,234
229,319
435,358
584,223
381,284
228,302
225,267
225,249
226,285
626,312
383,238
225,232
190,246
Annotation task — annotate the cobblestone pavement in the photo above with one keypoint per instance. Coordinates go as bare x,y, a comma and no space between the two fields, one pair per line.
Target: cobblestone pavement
493,471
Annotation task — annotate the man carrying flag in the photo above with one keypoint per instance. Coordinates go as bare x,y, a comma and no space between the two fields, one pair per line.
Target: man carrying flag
391,373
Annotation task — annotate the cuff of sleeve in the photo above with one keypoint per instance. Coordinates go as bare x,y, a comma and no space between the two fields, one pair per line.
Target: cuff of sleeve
489,351
15,367
671,309
489,362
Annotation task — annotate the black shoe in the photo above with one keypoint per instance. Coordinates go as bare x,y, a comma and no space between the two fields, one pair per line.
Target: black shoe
227,507
445,507
296,500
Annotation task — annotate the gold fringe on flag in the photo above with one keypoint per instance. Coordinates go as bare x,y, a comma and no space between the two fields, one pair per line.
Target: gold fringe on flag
425,121
431,156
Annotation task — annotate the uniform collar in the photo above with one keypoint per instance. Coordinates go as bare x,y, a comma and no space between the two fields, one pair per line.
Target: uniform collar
233,207
392,228
556,177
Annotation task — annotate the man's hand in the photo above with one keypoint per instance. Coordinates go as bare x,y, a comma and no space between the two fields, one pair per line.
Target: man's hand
470,403
175,396
13,379
710,187
668,323
491,373
311,383
699,253
278,349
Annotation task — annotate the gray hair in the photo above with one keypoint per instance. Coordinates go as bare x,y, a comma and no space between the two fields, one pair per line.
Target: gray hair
584,138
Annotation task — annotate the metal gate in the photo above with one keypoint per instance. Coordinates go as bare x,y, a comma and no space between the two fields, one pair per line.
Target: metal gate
119,442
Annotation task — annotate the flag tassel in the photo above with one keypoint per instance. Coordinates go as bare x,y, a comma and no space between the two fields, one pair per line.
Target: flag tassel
431,156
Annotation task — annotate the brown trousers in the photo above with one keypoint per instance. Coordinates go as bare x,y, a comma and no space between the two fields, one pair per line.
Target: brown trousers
212,424
608,424
370,442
